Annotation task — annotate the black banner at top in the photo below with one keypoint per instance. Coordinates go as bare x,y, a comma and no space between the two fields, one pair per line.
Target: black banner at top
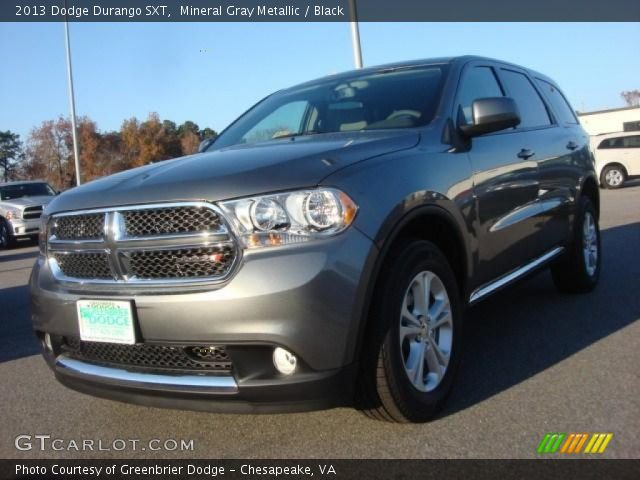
318,10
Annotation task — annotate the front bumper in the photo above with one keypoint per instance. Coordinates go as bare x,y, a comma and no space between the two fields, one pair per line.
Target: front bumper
23,228
306,298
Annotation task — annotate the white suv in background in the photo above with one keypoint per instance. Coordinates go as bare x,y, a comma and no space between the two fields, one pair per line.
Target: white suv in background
617,157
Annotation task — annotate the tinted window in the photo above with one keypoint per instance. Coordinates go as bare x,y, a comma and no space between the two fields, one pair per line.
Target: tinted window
9,192
632,141
533,112
479,82
558,102
394,98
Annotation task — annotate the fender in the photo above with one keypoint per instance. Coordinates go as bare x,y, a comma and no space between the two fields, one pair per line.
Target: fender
388,233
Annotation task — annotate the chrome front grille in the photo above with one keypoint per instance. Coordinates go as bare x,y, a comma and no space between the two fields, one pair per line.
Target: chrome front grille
160,243
84,264
31,213
162,221
79,227
199,262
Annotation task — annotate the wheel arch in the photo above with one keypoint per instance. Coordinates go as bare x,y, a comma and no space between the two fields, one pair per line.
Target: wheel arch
428,222
590,189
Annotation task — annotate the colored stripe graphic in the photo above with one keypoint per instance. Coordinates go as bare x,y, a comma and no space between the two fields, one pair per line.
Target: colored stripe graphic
572,443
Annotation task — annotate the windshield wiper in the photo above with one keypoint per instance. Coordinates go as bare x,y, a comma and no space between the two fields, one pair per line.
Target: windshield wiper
295,135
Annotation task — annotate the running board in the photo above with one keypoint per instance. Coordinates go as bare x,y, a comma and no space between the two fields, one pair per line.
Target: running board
514,275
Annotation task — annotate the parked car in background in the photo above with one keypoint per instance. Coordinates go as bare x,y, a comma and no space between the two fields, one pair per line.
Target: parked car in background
323,249
21,205
617,157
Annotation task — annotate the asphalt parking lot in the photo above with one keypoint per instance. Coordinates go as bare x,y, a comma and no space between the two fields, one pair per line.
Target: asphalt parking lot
535,362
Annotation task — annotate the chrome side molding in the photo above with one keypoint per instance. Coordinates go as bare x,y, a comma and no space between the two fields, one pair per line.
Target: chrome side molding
217,384
500,282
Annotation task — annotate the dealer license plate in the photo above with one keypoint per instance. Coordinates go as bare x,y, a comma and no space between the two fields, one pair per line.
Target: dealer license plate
106,321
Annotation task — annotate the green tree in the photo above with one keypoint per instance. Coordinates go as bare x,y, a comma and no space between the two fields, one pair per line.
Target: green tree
10,153
208,133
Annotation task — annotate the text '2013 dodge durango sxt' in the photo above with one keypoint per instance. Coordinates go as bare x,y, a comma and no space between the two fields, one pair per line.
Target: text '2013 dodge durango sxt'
323,249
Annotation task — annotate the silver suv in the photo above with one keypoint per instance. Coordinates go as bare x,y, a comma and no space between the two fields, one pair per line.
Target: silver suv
322,251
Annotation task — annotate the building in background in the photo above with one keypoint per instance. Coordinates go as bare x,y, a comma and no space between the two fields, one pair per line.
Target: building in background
625,119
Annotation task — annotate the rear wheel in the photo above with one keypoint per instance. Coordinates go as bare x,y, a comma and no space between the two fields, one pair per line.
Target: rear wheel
613,176
579,269
413,346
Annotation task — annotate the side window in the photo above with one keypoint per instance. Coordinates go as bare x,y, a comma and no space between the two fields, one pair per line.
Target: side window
632,141
286,120
533,112
614,142
478,82
558,102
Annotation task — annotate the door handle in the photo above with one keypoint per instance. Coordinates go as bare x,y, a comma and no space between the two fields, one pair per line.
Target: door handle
526,153
572,145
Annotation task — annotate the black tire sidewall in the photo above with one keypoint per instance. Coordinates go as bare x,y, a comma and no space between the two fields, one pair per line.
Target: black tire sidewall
418,256
586,206
7,236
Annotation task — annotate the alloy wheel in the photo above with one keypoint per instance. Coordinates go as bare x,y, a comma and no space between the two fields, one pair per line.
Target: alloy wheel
590,244
614,178
426,331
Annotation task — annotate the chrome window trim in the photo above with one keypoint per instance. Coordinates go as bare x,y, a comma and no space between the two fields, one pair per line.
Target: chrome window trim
115,243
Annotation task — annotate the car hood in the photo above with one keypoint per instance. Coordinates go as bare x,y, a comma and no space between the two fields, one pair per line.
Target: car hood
24,202
237,171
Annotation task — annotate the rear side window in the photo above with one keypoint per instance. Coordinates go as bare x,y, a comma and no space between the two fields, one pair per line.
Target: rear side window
632,141
558,102
479,82
533,112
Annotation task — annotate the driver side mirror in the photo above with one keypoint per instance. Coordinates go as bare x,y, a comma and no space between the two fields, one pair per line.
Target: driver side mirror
491,115
206,143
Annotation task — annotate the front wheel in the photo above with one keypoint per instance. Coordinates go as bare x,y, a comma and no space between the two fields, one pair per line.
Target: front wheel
6,239
413,346
578,270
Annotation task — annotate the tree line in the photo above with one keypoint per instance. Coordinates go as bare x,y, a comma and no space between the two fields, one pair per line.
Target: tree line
47,153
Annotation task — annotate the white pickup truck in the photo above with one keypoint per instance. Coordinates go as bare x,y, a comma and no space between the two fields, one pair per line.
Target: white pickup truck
21,205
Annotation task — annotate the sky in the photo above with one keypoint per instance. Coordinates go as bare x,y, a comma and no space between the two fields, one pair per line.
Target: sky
212,72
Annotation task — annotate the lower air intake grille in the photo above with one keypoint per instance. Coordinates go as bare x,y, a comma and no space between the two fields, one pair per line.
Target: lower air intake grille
156,357
181,263
84,265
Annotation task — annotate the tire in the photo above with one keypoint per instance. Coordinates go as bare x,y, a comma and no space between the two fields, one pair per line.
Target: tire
613,176
6,238
385,390
578,270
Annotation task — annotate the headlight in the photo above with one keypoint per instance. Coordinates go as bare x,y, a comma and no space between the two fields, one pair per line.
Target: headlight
13,214
292,217
43,234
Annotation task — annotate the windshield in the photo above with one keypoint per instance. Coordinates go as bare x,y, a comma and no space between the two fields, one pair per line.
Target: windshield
393,98
19,190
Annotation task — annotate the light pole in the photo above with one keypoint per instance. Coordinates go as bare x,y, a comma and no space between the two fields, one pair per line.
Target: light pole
72,102
355,35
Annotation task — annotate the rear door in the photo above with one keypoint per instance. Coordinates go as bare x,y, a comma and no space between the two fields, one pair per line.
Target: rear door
561,173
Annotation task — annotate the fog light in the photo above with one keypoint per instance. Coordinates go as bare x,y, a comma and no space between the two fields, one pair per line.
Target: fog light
284,361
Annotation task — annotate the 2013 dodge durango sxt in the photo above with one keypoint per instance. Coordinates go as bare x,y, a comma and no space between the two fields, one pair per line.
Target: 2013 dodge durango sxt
323,249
